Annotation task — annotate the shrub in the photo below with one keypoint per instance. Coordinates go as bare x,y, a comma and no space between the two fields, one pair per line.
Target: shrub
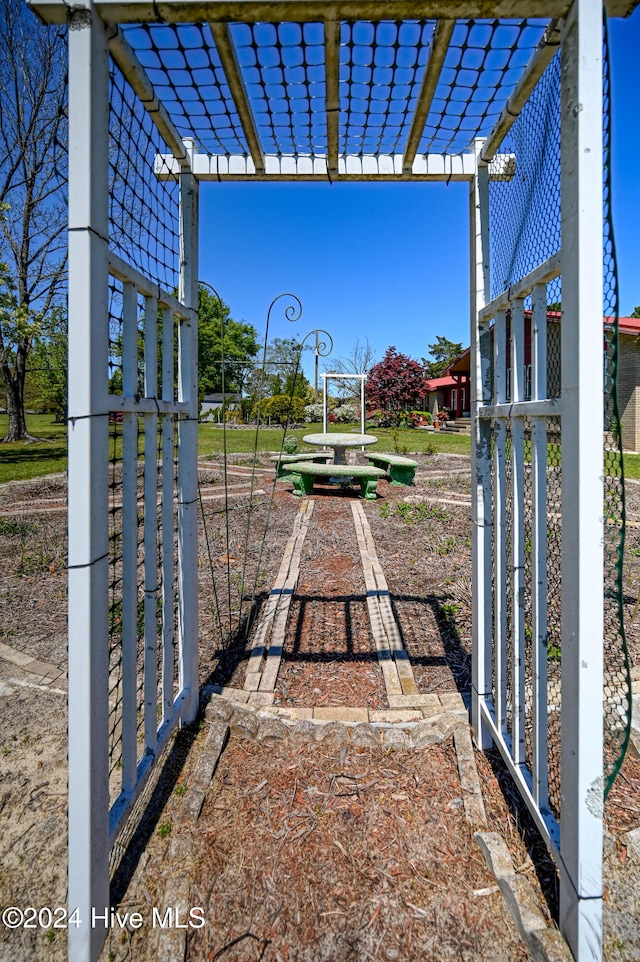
422,417
281,408
397,419
313,412
346,414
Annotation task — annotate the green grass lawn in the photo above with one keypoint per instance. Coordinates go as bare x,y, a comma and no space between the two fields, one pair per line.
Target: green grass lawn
402,440
632,466
48,455
19,461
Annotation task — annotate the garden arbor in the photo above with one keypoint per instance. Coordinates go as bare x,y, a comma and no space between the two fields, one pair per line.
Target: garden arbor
166,96
325,398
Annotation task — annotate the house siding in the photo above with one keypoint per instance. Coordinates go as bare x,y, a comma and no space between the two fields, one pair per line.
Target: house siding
629,391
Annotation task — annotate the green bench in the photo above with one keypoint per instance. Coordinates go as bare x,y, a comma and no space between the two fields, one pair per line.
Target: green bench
283,460
399,470
303,476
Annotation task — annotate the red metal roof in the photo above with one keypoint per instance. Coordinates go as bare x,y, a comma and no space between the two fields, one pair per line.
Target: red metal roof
434,383
626,325
461,364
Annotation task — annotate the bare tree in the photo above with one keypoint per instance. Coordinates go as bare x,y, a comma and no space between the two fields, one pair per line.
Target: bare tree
359,361
33,212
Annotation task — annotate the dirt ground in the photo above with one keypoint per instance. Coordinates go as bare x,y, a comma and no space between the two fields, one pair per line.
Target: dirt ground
303,851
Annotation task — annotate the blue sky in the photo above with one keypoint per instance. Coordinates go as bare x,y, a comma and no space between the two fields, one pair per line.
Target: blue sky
387,262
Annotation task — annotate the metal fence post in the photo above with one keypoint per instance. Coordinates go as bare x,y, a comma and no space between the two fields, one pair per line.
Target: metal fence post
88,483
480,450
188,443
582,487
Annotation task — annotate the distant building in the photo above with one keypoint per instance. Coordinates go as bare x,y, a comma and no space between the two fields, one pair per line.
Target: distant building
452,390
212,404
449,391
628,380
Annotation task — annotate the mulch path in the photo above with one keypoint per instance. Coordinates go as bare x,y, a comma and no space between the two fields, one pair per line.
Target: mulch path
280,818
307,852
329,655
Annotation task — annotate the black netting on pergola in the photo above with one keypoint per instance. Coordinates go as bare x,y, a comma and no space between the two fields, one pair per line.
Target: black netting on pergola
381,69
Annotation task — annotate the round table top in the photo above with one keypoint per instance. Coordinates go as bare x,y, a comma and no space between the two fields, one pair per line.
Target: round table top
340,440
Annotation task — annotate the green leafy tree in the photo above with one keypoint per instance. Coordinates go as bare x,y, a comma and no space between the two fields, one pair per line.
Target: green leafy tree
443,352
278,373
49,367
283,367
237,347
635,312
32,176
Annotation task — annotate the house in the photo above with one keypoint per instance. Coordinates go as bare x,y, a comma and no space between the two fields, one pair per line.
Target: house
213,403
628,380
452,390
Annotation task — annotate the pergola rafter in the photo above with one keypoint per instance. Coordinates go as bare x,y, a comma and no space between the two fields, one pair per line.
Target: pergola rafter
330,163
439,48
126,59
332,82
229,60
544,54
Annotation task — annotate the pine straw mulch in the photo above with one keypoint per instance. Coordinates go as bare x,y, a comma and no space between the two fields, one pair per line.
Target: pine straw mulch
325,851
311,851
423,542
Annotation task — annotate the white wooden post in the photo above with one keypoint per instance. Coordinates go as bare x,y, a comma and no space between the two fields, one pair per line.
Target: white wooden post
517,537
88,483
168,633
480,450
500,588
582,485
325,409
539,737
150,527
363,410
129,540
188,444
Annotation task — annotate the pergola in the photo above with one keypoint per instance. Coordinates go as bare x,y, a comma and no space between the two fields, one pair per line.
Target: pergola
167,94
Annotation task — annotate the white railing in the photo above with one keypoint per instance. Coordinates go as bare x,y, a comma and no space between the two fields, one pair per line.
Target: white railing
148,628
159,653
514,708
511,701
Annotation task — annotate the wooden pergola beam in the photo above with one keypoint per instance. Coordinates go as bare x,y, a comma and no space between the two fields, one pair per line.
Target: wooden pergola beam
134,72
304,11
231,67
332,84
441,39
